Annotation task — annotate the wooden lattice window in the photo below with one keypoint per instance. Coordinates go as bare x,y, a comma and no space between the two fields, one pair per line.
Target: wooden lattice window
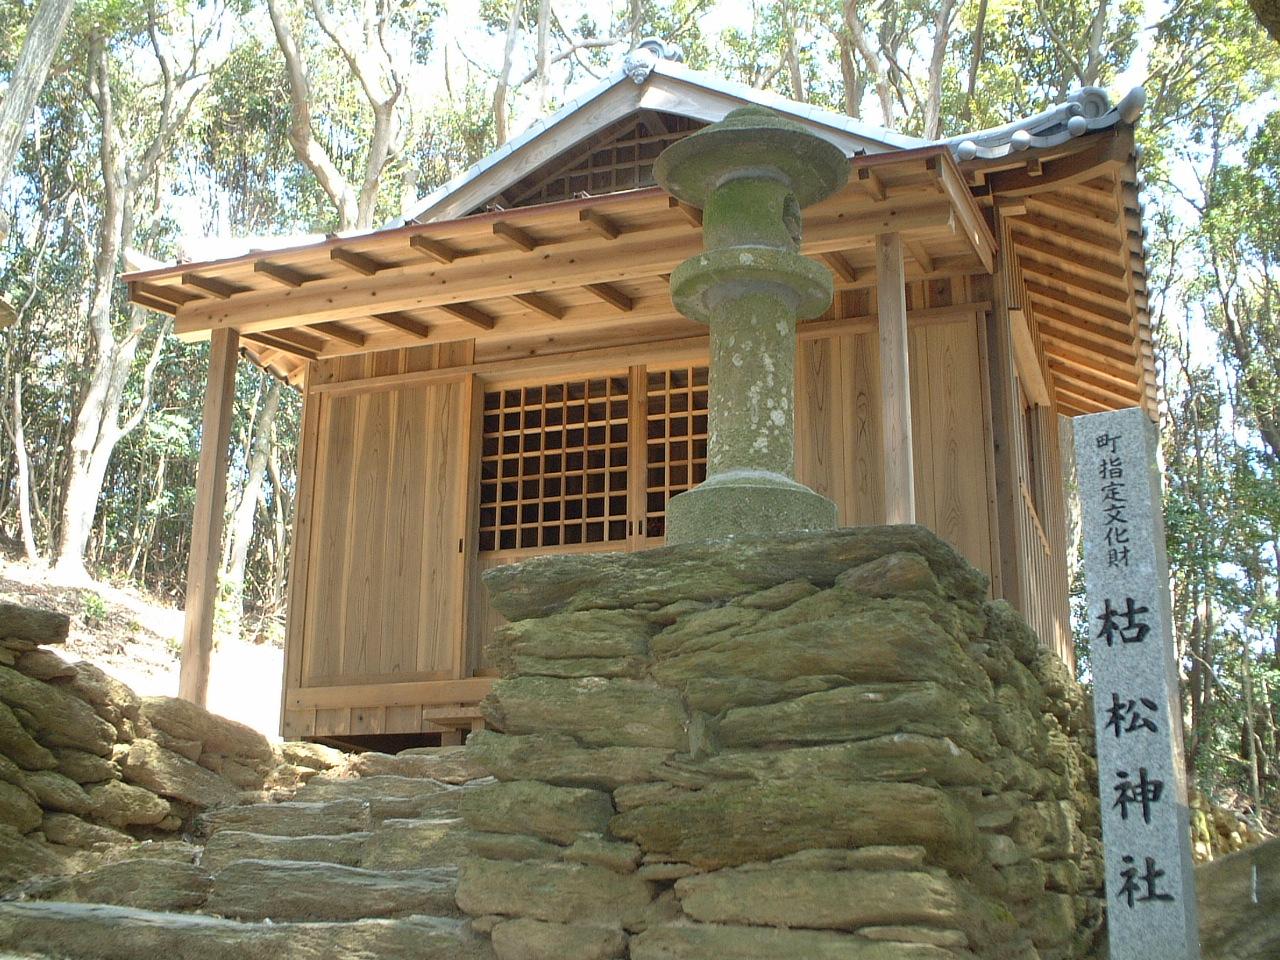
554,464
675,439
615,160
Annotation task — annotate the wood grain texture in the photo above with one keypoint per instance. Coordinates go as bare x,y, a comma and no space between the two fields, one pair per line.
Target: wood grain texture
895,381
210,507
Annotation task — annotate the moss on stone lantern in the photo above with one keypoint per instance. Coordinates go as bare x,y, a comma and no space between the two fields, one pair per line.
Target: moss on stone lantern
751,174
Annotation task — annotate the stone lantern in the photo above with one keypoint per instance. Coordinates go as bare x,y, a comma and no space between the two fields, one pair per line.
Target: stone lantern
751,174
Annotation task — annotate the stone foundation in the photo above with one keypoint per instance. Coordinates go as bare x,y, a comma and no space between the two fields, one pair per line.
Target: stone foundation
87,766
822,746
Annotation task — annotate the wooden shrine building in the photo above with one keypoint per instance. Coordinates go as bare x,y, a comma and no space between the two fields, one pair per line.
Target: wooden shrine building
502,374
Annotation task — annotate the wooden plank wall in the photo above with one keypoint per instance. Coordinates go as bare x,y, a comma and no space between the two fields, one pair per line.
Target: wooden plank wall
382,559
839,448
1041,517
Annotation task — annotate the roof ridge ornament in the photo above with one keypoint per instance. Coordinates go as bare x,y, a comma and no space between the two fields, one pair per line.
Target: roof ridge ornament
639,63
1084,111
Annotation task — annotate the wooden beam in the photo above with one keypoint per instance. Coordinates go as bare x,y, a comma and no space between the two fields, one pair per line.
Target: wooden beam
173,295
692,214
515,236
1106,290
272,338
404,323
281,273
840,266
920,255
1076,258
544,305
405,693
1007,551
472,315
599,223
153,303
686,350
633,256
212,285
301,337
895,381
1119,318
1106,154
871,183
1026,359
339,331
437,250
206,528
1058,232
359,262
611,295
1076,207
1113,388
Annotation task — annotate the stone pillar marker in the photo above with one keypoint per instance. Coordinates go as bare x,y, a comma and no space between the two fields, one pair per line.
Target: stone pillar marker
1150,882
751,174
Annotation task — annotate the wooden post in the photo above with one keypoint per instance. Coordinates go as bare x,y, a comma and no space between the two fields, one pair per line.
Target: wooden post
895,381
1004,425
206,527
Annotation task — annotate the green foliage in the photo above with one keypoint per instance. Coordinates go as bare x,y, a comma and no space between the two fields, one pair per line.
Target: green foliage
93,609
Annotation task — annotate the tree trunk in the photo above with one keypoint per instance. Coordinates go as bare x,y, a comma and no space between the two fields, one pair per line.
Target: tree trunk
933,95
500,131
979,38
24,474
38,47
241,532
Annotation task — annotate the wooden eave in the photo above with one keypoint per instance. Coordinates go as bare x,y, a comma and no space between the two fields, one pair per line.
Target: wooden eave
1075,224
596,269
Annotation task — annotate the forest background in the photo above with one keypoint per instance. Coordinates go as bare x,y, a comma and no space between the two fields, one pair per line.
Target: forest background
166,121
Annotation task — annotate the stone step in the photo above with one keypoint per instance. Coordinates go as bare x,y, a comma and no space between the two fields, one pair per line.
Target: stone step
392,845
67,931
389,797
229,846
145,884
291,819
445,764
287,890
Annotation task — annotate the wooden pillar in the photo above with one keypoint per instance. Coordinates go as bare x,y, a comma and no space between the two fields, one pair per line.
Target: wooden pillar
895,381
210,506
1004,425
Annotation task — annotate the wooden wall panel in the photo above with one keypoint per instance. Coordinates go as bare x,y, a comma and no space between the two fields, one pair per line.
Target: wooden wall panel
327,571
385,578
441,590
950,451
839,449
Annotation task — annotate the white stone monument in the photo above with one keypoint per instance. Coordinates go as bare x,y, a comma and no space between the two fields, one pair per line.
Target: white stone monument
1150,881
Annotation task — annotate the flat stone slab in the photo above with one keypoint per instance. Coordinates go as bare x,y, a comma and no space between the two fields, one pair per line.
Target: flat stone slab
32,625
702,942
820,899
258,889
290,819
558,892
732,823
444,764
414,844
389,797
542,586
558,814
90,932
537,940
228,846
148,884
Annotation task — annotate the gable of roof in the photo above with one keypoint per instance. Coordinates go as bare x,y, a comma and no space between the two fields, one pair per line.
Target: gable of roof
642,84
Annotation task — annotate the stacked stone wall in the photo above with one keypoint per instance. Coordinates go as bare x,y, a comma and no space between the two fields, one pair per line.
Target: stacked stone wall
88,769
824,746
